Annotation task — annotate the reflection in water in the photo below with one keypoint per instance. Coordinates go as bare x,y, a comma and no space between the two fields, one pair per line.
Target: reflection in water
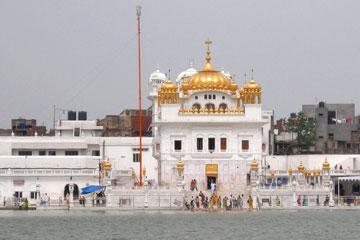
334,224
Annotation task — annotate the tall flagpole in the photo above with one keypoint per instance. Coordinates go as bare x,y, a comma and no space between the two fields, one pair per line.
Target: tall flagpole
138,13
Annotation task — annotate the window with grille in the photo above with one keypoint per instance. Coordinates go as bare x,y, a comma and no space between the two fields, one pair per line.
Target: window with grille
223,144
136,157
71,153
177,145
25,153
245,145
199,144
211,144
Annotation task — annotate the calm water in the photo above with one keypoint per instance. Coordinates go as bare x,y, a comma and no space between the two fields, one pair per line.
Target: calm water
335,224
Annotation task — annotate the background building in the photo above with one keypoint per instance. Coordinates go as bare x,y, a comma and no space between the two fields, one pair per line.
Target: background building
337,127
126,124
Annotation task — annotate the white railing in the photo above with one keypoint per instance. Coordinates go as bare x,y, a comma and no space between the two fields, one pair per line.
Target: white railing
48,172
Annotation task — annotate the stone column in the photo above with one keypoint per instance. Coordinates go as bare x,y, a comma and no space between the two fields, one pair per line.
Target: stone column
146,203
294,184
108,194
71,189
326,173
180,177
38,195
331,200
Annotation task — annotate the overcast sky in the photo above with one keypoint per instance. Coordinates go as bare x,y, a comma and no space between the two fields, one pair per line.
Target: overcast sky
82,55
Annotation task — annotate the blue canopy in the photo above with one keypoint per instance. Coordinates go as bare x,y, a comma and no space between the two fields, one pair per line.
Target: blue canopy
90,189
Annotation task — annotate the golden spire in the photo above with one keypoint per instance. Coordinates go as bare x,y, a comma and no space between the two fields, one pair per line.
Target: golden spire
233,78
245,79
208,58
252,75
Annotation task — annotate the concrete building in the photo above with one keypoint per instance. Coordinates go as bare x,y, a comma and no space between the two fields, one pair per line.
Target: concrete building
31,167
27,127
337,127
126,124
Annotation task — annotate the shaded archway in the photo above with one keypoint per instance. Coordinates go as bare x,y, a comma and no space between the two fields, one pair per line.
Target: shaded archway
210,106
223,106
67,191
196,106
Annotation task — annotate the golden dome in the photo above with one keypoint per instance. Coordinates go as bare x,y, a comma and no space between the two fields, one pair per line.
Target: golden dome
133,174
290,171
272,173
318,172
144,171
180,164
252,87
241,91
254,164
301,167
208,78
168,87
326,164
107,164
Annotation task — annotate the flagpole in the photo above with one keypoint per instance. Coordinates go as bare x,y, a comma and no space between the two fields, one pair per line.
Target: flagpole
138,13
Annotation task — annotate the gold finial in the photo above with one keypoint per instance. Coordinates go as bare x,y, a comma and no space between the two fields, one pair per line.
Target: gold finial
169,75
208,58
233,78
252,75
245,78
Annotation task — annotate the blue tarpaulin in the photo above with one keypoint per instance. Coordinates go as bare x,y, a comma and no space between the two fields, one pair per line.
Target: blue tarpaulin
90,189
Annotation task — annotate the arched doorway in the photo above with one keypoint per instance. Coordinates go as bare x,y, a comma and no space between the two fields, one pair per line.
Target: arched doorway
67,191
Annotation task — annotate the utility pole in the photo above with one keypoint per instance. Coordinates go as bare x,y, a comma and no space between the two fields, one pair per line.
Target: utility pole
138,13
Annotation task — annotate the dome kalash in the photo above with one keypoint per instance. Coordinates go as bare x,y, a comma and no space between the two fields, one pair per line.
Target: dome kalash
208,79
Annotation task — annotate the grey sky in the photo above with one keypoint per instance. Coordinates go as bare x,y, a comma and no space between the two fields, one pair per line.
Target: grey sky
82,55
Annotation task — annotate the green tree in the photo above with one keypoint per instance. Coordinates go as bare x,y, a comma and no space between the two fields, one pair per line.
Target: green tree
305,129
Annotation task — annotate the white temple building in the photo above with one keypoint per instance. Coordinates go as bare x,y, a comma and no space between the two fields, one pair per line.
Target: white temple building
214,127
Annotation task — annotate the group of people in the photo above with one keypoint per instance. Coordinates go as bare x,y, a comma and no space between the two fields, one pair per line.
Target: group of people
152,183
227,203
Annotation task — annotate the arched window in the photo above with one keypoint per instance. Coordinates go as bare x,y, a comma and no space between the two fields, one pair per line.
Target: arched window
210,106
223,106
196,106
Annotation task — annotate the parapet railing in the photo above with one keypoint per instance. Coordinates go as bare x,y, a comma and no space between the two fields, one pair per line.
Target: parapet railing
48,172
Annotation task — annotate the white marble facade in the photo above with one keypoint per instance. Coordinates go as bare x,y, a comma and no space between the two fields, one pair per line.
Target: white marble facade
231,120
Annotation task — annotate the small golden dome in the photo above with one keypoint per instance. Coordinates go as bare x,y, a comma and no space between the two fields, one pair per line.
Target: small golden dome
254,164
252,87
133,174
208,78
272,173
107,164
318,172
241,91
326,164
301,167
233,85
180,164
168,87
144,171
290,171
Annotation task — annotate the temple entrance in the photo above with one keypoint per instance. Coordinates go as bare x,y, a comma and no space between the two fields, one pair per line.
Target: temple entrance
211,174
210,179
67,191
